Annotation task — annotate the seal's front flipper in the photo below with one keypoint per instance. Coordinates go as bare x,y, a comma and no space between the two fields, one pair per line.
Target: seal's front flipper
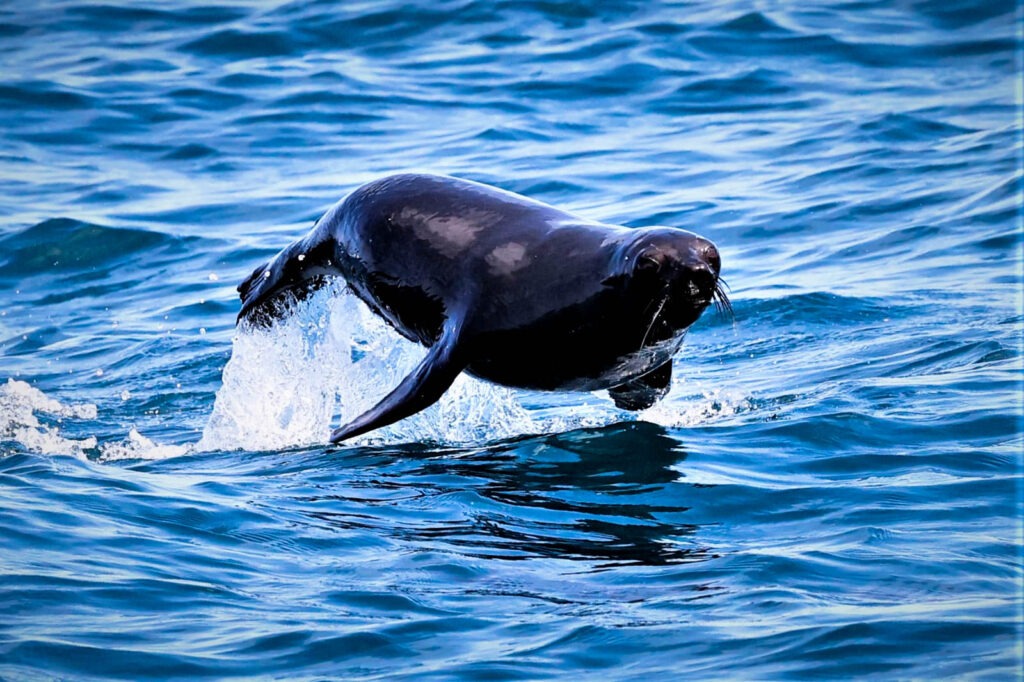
642,392
419,390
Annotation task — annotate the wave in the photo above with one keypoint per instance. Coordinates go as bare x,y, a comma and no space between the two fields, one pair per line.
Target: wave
65,245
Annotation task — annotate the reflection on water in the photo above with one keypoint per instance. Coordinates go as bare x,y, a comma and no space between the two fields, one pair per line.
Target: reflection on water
607,496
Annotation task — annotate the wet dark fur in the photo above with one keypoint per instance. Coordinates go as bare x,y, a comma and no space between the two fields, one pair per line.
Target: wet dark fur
509,289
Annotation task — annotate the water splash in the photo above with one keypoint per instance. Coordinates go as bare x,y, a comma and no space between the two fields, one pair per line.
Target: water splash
21,406
329,359
30,420
709,406
137,446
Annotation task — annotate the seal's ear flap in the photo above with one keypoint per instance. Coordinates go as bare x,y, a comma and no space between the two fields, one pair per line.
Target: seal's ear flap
419,390
648,263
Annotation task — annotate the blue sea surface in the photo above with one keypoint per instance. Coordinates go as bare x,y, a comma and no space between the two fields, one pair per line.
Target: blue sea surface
832,489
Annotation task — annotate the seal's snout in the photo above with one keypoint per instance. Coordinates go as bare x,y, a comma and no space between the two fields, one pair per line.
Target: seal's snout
701,269
708,253
691,269
703,279
706,275
677,274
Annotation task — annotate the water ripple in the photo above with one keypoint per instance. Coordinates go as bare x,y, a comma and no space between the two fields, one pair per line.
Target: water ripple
832,487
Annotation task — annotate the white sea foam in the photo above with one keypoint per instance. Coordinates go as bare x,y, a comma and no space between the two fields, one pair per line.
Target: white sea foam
710,406
22,405
20,408
137,446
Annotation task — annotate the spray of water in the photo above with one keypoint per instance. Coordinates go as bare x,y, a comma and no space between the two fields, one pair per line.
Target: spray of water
323,364
332,359
327,362
21,407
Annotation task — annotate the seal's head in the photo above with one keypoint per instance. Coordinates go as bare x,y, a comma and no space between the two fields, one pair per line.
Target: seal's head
670,276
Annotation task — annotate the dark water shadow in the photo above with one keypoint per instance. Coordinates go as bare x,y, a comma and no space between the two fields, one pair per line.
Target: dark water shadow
605,496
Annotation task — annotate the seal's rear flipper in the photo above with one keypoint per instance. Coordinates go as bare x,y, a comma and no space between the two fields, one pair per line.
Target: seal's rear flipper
292,275
419,390
641,393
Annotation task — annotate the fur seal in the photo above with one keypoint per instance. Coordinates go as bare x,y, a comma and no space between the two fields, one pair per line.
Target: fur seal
509,289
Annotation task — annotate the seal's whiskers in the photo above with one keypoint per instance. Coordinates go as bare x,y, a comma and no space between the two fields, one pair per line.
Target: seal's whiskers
722,303
654,318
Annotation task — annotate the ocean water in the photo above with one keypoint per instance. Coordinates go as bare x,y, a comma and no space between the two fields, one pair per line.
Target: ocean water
832,489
